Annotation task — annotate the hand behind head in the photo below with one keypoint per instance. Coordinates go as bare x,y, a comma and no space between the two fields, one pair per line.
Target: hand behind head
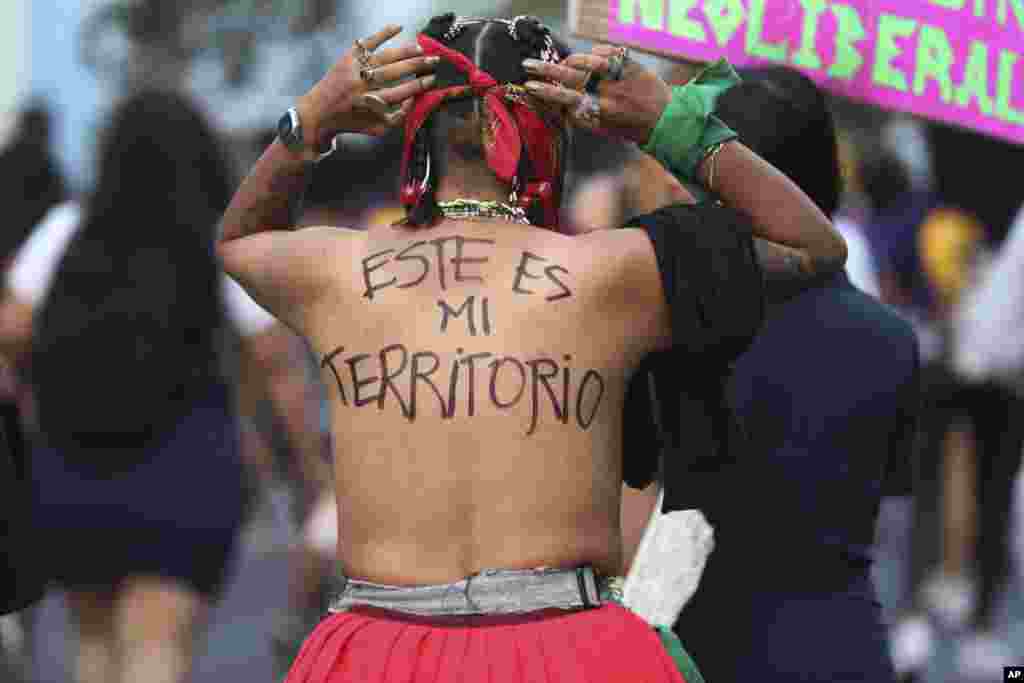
628,108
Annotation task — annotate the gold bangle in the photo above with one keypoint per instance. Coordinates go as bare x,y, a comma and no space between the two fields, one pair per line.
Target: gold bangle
712,159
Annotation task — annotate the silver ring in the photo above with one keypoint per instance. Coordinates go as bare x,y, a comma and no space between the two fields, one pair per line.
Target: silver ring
362,54
367,75
375,103
616,64
588,110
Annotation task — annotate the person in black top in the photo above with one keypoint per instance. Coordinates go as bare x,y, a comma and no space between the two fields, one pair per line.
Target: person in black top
824,407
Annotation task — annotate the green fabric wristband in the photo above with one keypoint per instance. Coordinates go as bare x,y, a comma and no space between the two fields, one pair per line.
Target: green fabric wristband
687,129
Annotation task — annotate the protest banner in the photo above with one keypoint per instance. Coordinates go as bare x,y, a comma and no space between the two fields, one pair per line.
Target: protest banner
958,61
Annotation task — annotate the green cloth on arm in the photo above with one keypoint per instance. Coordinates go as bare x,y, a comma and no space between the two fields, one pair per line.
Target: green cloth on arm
688,129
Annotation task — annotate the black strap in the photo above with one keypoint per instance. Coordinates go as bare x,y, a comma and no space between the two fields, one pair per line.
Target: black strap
581,578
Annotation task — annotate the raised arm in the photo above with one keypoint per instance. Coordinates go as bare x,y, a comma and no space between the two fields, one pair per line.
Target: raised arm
796,243
281,268
342,101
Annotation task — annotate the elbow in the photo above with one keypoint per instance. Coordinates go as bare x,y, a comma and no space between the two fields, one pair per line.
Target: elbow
831,254
838,252
16,323
222,249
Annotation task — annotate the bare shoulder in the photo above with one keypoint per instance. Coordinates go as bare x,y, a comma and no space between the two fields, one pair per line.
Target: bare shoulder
628,260
630,281
287,271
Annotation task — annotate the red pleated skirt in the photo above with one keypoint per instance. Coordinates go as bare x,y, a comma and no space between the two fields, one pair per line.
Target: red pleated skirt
604,645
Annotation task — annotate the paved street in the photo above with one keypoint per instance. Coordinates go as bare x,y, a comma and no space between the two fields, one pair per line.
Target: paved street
236,646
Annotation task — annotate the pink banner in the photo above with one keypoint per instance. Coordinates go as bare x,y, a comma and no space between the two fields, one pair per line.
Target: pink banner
959,61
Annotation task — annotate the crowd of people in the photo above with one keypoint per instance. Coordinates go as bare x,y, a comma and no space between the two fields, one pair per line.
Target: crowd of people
830,370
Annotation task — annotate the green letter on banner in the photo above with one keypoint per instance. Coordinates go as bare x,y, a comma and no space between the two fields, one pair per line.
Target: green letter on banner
890,27
849,30
807,56
948,4
681,25
1004,89
652,13
755,46
725,16
1018,11
934,57
976,80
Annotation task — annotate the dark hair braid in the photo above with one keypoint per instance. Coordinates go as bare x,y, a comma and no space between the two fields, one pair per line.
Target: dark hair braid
438,26
501,56
424,154
532,32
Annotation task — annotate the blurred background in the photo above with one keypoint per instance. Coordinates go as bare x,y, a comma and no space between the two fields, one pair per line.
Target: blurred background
930,211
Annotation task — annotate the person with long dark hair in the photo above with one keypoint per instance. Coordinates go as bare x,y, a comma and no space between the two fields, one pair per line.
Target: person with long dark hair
34,185
136,468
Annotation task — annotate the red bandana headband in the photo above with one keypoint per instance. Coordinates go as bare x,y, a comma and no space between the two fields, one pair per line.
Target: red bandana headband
516,128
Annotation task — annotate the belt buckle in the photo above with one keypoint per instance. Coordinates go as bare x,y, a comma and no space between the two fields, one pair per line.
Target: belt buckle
587,581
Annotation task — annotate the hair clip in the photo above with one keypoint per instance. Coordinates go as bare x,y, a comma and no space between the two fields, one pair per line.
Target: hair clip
549,53
459,25
453,32
513,26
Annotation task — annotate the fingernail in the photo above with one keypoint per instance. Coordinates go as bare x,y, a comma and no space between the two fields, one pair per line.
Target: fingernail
531,63
434,59
419,49
532,85
428,80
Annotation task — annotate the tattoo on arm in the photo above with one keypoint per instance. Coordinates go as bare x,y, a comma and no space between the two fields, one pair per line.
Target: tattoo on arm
270,197
787,271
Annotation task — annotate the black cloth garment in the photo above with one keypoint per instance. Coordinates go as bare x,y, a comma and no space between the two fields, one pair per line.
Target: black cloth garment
175,513
22,580
714,287
828,395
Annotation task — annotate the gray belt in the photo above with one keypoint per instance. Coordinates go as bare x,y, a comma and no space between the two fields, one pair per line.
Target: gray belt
492,591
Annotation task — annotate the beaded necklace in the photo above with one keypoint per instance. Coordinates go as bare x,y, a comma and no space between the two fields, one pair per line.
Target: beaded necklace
470,209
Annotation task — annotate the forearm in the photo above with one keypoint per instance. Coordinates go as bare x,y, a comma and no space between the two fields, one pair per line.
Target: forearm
269,198
794,232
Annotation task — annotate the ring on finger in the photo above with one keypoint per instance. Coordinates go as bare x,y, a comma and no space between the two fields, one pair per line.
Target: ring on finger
591,84
588,110
362,54
375,103
616,64
367,75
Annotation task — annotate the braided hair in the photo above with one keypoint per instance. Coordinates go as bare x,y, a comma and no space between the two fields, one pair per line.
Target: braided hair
498,47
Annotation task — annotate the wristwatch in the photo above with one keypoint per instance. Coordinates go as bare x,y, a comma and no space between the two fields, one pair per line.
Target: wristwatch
289,131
